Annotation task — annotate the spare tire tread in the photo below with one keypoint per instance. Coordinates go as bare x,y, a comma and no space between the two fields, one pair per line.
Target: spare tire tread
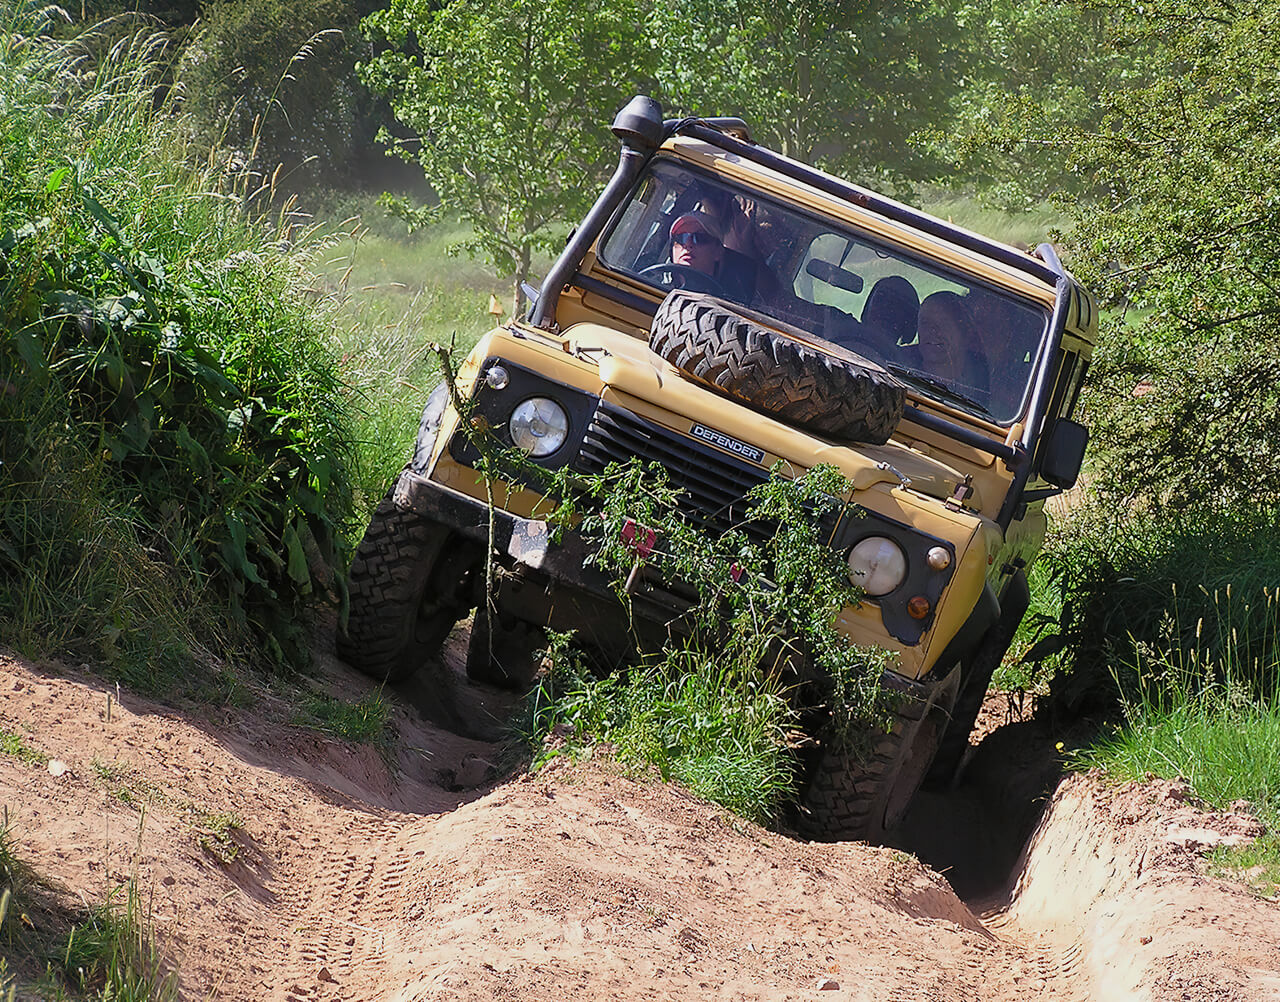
773,369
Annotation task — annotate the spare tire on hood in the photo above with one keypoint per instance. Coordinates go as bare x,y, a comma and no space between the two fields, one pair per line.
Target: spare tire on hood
777,369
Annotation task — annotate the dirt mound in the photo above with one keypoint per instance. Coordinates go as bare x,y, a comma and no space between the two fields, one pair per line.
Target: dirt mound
360,876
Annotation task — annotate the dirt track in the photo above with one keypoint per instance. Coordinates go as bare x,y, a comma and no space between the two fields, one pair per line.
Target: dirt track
358,879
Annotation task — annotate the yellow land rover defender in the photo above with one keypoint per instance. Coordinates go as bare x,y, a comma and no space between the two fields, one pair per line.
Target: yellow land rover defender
720,310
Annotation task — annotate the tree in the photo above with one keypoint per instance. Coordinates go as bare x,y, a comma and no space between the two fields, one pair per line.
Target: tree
845,84
1171,185
276,78
510,101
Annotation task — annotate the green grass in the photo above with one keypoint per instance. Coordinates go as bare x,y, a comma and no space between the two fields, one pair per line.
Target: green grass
110,954
1209,713
1030,228
103,953
174,439
396,293
696,724
366,721
15,746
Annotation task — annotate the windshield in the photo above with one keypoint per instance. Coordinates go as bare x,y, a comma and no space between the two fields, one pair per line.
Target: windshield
949,336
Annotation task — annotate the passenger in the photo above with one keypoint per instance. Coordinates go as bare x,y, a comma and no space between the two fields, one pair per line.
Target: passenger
890,312
948,345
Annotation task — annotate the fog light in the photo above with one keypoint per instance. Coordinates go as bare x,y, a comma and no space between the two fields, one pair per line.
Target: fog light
939,558
917,607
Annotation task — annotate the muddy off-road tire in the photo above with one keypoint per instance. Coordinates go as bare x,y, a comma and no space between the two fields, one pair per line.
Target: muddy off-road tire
409,584
850,797
771,367
975,680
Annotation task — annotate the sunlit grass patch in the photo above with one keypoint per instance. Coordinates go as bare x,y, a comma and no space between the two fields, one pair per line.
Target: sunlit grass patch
111,952
15,745
700,724
1214,722
366,721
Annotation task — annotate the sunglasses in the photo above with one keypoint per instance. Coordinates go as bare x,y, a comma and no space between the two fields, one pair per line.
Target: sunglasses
690,239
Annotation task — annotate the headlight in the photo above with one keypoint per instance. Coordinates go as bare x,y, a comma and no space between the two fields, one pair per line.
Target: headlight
539,426
877,565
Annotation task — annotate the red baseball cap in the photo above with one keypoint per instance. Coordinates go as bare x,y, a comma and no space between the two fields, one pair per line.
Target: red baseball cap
695,222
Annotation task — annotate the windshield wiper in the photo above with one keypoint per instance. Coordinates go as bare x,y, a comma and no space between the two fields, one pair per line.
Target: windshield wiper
932,382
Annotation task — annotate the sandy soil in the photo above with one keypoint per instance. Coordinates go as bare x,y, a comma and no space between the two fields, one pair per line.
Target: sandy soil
423,876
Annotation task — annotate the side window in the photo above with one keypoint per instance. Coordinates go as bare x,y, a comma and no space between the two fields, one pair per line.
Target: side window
1067,387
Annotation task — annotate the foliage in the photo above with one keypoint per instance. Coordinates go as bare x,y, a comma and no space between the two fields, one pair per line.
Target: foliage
15,746
1210,724
844,84
510,103
112,952
1170,181
366,720
694,717
755,660
275,79
171,423
1199,580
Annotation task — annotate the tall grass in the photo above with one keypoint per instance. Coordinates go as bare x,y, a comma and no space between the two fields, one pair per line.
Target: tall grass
397,292
174,440
1121,581
1213,724
1170,624
111,953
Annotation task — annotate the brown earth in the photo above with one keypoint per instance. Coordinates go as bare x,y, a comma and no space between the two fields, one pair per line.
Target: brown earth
423,875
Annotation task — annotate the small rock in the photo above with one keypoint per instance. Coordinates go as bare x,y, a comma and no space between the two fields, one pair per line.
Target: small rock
827,985
324,975
1145,940
57,767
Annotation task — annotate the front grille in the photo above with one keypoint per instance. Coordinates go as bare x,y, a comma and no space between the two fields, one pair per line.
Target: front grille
713,483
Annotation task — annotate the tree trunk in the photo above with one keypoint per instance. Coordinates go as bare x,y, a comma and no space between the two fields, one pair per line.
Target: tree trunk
522,276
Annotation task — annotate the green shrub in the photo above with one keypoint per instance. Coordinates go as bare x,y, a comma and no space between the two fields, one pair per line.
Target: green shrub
1200,583
174,444
754,661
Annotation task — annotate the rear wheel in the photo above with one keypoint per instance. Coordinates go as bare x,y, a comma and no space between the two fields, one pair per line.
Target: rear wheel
410,582
503,654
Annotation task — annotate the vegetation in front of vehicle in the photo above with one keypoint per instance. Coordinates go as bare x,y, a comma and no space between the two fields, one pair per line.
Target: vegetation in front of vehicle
722,732
174,439
752,665
396,294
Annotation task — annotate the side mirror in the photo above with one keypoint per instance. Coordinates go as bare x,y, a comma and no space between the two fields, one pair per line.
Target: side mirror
1063,452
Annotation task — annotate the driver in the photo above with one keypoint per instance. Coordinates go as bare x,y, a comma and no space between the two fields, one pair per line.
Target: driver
695,243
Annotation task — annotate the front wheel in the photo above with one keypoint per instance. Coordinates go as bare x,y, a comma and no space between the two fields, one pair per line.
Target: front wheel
410,582
861,797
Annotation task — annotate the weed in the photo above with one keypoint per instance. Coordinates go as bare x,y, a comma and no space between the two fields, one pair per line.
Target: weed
366,721
111,952
1256,864
15,746
215,833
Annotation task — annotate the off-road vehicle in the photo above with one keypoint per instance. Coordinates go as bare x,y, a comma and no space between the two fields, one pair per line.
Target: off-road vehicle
723,309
